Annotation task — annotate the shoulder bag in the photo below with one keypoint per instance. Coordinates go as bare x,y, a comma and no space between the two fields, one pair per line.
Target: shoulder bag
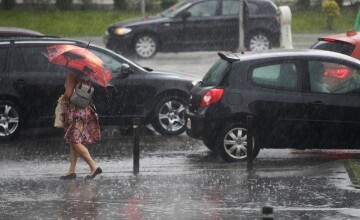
82,95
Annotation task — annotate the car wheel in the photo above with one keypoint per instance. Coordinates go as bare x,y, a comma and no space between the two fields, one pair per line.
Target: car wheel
10,120
258,41
233,143
169,116
145,46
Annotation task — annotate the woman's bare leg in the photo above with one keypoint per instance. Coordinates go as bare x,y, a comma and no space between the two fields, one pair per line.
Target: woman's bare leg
73,159
84,153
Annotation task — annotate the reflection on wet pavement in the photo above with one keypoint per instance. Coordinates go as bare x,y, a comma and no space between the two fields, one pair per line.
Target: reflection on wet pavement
179,179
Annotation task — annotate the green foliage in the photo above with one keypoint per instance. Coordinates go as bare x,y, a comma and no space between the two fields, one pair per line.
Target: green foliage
120,4
64,4
71,23
93,23
332,11
8,4
167,3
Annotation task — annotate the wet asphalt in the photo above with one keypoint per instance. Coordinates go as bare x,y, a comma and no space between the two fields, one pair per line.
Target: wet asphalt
178,179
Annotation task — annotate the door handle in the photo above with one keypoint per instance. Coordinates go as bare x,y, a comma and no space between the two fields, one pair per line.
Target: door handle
317,103
20,83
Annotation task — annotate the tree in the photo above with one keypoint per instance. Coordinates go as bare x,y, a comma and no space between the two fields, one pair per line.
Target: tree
332,11
8,4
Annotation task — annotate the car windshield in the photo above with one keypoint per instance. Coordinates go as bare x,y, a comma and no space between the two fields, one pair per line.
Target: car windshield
216,73
336,46
175,9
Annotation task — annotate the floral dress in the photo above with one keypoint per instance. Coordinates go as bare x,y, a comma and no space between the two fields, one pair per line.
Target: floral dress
81,124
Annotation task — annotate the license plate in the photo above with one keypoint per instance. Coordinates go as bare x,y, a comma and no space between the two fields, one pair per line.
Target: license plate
188,123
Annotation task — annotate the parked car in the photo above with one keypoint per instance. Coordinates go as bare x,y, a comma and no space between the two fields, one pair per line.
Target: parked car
197,25
30,87
6,32
346,43
284,91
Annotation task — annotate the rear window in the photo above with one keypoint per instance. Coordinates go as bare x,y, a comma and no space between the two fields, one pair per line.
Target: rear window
216,73
261,7
336,46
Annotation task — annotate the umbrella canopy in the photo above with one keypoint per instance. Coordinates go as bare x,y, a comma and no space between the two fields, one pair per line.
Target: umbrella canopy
84,61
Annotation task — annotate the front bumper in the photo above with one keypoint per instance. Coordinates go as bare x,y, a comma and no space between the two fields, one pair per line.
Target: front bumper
118,43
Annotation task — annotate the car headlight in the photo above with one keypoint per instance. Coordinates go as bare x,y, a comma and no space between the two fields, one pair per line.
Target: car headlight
122,31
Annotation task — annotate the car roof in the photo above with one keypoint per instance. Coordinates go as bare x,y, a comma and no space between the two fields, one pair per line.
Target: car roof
289,53
15,32
351,37
42,40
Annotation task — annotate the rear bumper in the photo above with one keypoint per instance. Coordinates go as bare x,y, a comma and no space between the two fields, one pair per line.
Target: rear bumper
194,125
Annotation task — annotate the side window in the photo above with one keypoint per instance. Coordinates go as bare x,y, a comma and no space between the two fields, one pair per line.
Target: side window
3,58
203,9
280,75
113,64
253,8
335,78
230,8
32,59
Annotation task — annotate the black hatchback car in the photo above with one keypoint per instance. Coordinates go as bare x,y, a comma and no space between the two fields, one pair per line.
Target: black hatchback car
294,97
30,87
198,25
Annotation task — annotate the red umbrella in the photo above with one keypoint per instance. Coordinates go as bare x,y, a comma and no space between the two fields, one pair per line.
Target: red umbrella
81,59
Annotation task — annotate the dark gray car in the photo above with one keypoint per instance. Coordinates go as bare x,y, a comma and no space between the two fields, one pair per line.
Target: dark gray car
197,25
293,96
30,87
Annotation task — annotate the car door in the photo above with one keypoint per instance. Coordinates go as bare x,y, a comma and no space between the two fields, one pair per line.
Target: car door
228,23
38,83
123,98
201,29
333,97
277,102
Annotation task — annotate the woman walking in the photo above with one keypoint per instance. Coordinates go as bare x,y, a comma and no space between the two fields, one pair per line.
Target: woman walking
81,128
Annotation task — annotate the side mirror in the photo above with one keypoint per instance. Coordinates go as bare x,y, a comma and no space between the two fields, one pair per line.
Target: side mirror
123,72
186,15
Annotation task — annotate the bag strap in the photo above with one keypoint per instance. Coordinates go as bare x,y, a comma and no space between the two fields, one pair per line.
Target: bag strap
80,85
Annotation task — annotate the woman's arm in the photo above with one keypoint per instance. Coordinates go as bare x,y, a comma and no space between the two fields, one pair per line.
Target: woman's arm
69,85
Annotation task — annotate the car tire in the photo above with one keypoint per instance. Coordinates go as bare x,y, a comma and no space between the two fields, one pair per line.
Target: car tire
145,46
10,120
232,143
258,41
169,116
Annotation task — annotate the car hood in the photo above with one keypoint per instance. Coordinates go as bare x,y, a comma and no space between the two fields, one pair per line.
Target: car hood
141,21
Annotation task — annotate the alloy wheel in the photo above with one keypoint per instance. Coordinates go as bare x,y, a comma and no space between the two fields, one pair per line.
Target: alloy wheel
172,116
9,120
235,143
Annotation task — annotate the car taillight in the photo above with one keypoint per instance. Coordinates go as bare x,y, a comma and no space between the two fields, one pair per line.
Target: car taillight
338,73
211,96
329,39
277,19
